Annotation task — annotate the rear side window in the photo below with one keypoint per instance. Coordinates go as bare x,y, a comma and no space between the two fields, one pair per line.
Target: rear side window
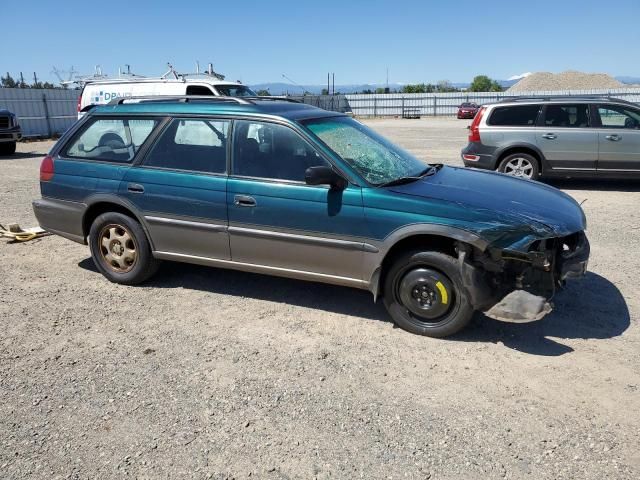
575,116
514,116
198,90
197,145
112,140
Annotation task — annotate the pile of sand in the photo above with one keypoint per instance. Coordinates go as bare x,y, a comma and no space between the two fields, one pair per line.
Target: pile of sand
569,80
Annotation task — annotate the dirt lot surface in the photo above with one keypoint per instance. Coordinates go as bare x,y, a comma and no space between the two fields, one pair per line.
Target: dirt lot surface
206,373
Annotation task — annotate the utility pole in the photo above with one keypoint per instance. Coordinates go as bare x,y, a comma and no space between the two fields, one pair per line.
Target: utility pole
328,85
21,80
334,83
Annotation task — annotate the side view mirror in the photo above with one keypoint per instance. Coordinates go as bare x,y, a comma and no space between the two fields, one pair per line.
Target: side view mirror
322,175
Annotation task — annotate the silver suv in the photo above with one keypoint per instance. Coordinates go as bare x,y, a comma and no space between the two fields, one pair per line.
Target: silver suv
551,137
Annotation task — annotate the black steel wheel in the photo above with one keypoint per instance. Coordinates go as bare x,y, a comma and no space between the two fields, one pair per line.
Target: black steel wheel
423,293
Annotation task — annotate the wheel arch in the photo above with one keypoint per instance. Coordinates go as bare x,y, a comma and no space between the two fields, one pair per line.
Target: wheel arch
107,203
441,238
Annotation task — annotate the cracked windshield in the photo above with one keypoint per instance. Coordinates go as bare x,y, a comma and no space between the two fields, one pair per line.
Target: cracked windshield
375,158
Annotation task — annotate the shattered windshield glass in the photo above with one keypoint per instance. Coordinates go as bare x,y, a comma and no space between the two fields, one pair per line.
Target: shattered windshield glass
374,157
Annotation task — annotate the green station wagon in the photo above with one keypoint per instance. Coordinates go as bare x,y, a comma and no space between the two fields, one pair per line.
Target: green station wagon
282,188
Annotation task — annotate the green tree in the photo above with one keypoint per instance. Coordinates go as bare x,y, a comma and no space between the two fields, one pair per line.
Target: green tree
482,83
8,81
324,91
445,86
380,90
263,93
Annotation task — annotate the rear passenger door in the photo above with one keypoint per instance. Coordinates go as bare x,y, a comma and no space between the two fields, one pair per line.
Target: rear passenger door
618,138
566,137
180,188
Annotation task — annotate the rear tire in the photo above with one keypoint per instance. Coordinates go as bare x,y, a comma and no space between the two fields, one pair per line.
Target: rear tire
423,293
521,165
7,148
120,249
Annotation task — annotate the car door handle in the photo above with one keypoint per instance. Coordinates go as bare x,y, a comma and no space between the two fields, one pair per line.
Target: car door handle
135,188
244,201
613,138
550,136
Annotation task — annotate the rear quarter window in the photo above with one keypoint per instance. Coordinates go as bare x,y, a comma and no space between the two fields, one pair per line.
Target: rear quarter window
110,139
514,116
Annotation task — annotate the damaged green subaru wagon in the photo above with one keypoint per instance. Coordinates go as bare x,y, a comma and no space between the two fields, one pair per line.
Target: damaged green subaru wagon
282,188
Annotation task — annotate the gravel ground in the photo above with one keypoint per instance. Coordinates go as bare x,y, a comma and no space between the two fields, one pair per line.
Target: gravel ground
206,373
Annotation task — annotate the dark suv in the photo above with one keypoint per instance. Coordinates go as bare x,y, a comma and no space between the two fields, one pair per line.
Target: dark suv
565,137
288,189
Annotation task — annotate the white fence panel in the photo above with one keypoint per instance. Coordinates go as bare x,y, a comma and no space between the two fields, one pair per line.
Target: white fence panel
41,112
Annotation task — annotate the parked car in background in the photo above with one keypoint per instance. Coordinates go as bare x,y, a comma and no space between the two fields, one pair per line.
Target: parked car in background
557,137
288,189
467,110
10,132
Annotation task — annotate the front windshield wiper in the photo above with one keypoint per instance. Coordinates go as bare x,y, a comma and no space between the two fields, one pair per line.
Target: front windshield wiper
430,170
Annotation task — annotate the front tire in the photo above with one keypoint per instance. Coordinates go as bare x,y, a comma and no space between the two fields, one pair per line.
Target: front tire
521,165
120,249
423,293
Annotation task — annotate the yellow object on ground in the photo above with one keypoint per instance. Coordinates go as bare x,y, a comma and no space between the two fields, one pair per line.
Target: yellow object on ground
14,232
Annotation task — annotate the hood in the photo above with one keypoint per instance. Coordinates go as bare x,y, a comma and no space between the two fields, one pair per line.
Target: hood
524,201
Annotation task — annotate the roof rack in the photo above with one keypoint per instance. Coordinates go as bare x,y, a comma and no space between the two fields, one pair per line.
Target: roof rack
179,98
197,98
272,99
543,98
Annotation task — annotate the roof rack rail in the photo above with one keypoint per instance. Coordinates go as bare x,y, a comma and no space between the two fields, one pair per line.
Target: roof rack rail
585,97
179,98
272,98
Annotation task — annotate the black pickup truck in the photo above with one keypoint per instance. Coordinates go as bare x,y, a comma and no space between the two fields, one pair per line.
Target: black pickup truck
10,132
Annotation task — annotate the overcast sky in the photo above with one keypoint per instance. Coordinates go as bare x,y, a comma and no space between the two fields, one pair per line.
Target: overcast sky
259,41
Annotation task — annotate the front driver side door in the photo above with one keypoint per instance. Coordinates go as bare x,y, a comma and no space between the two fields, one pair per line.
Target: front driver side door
618,139
276,220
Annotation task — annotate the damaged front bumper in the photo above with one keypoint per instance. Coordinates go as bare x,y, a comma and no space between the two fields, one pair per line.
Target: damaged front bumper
515,284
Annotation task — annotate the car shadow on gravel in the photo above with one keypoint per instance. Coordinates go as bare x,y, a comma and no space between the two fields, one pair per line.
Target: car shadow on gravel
319,296
589,308
601,184
21,155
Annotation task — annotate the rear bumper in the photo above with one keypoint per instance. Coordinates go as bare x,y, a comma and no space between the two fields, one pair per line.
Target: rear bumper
10,135
61,217
477,155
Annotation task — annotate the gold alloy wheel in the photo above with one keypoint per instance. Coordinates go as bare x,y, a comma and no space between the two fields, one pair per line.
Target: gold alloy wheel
118,248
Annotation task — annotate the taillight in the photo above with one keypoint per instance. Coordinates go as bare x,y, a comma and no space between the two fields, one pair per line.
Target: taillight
79,107
46,169
474,129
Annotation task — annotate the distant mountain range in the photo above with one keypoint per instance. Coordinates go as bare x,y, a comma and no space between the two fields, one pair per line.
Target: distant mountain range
628,80
281,88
